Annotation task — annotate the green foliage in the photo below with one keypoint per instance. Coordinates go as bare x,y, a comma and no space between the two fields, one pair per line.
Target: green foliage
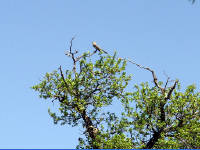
182,114
118,141
94,86
150,118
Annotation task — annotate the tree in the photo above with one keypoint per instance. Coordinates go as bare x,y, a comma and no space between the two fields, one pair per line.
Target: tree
153,116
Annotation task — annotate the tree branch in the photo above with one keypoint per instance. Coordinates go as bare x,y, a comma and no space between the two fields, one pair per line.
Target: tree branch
166,83
171,90
71,54
155,80
61,73
153,140
63,78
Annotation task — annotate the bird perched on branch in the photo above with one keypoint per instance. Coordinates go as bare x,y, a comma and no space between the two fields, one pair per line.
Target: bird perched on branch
98,48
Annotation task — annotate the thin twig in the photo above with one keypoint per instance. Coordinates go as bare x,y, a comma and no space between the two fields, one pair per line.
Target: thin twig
71,54
166,83
71,42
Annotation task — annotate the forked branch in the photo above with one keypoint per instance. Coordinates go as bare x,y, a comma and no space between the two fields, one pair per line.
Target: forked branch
72,54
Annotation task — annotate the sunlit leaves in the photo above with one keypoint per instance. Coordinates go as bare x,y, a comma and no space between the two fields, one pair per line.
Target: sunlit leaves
147,110
182,115
93,86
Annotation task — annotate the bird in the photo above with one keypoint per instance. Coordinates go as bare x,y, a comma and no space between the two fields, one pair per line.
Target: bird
98,48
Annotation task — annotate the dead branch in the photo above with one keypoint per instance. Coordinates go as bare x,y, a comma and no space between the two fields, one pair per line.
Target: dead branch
155,80
71,54
166,83
171,89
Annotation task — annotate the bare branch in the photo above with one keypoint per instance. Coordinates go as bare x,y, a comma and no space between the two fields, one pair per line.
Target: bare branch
70,48
71,54
171,89
155,80
166,83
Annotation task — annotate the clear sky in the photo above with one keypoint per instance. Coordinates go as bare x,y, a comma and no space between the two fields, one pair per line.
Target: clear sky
34,34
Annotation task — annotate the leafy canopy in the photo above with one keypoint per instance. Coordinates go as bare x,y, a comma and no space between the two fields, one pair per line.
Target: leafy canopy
156,116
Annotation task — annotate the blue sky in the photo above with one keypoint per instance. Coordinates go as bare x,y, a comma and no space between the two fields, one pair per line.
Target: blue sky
164,35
